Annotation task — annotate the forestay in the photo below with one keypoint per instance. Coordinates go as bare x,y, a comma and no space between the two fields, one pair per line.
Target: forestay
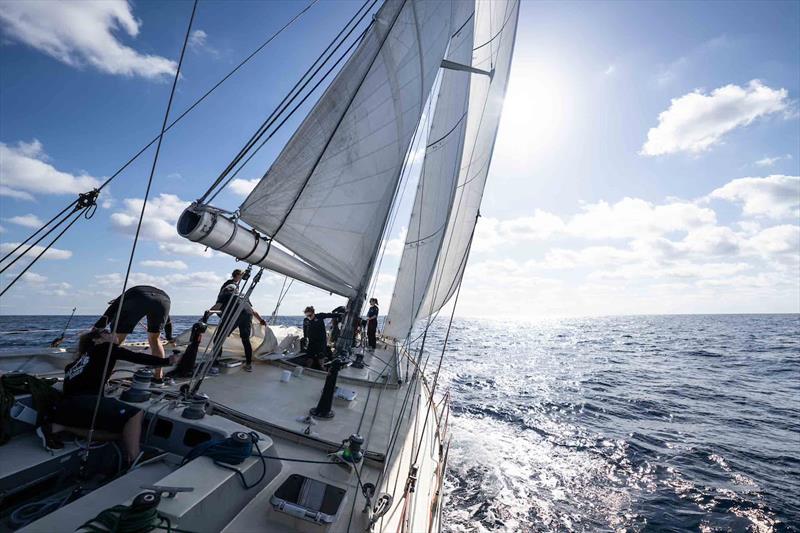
437,182
495,25
328,194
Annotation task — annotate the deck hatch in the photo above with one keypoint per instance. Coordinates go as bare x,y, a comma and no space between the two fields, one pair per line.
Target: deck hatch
308,499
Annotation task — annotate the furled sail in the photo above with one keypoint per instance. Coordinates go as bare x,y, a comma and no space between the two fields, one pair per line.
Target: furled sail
494,33
327,196
437,181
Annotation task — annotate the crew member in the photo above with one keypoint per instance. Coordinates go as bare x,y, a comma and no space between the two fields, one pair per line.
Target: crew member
84,379
236,277
315,338
336,323
140,302
244,320
372,323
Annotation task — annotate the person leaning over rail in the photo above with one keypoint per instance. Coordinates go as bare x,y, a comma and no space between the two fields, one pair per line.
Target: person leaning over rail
244,321
83,380
139,302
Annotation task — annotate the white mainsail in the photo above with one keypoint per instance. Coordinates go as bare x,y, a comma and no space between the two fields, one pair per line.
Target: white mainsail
495,27
437,181
327,196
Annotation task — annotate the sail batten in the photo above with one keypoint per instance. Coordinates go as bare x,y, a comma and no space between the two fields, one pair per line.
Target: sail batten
328,193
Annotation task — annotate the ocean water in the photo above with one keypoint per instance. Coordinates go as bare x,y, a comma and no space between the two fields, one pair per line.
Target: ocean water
650,423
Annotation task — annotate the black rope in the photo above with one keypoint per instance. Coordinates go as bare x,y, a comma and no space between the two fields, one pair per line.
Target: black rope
20,245
139,224
289,115
290,96
77,215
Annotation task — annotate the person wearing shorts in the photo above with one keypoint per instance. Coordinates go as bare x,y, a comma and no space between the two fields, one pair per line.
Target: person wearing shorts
83,381
142,301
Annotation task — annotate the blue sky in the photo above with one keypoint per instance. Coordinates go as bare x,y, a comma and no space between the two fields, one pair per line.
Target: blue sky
647,159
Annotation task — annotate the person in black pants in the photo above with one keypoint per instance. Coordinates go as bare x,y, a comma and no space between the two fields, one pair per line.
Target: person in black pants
244,321
139,302
372,323
83,380
315,337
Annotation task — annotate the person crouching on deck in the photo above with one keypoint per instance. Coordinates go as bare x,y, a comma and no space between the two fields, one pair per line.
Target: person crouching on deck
83,380
140,302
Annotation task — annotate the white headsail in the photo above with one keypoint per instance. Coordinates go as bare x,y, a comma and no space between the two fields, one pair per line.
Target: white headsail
327,196
437,181
495,24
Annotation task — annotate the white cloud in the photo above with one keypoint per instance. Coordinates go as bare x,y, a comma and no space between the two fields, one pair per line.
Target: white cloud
33,277
2,229
81,33
696,121
492,232
610,69
775,196
155,263
783,239
13,193
29,221
24,169
243,187
206,280
396,245
770,161
52,253
198,42
158,224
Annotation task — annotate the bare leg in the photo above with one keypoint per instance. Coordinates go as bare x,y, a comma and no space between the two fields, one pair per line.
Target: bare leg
131,434
157,350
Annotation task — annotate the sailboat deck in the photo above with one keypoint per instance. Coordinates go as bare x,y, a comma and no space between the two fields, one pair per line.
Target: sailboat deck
261,394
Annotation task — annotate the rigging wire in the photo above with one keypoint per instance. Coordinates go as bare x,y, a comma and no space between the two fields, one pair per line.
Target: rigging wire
173,123
139,224
290,96
20,245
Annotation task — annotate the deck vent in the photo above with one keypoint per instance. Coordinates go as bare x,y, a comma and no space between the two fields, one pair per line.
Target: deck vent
308,499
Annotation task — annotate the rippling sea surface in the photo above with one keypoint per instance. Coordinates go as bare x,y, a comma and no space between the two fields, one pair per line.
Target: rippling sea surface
647,423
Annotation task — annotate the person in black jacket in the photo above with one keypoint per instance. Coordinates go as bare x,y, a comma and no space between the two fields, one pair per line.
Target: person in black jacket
315,337
83,381
372,323
244,321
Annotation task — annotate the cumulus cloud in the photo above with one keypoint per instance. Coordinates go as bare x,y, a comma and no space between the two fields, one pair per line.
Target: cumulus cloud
775,196
697,121
24,169
243,187
155,263
396,245
158,224
52,253
29,221
81,33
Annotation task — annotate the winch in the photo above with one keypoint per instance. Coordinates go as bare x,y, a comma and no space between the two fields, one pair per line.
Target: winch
139,390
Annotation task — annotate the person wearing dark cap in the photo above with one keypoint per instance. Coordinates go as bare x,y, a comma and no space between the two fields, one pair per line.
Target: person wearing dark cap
372,323
315,338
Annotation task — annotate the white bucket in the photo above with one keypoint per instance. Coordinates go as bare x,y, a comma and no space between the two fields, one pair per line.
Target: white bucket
286,376
23,413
